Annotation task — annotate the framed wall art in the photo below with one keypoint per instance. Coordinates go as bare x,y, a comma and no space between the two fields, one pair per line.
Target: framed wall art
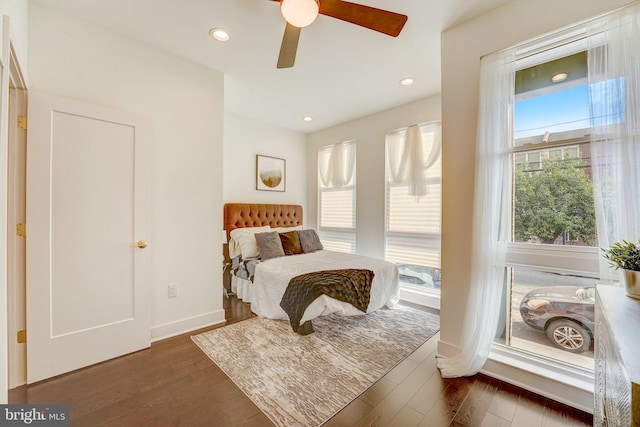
270,173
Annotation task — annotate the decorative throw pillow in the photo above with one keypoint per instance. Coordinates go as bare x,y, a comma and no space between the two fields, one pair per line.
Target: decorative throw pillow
309,241
290,243
270,245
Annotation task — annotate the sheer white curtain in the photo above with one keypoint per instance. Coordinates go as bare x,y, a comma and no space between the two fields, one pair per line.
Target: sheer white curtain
614,83
490,215
407,161
337,164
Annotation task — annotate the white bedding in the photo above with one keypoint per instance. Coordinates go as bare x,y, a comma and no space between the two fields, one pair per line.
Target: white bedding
272,277
241,287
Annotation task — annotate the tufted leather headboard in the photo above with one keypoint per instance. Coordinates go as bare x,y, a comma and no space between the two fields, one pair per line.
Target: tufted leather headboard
240,215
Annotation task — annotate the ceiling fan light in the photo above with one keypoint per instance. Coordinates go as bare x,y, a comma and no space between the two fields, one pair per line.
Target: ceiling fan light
299,13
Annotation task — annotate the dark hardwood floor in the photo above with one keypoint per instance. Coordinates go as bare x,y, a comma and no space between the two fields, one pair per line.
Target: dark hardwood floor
174,384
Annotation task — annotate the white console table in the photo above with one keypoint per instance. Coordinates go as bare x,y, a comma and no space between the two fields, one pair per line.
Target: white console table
617,358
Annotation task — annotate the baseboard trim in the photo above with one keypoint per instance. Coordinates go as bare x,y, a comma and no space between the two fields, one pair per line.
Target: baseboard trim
576,397
447,350
574,389
189,324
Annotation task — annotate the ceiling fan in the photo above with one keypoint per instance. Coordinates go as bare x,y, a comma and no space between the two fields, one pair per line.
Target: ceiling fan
300,13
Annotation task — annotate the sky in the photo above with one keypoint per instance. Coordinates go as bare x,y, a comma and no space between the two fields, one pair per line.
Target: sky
570,109
554,112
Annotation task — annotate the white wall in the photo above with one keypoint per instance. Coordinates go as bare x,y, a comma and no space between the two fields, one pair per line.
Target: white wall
369,133
462,47
243,139
184,102
18,11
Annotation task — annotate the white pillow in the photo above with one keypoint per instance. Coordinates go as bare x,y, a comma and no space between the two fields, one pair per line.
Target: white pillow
285,229
243,241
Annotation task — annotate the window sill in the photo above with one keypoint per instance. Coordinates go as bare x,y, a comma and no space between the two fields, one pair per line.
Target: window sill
562,382
426,297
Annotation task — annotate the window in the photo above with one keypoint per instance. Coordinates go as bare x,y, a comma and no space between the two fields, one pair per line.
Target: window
413,216
504,257
337,196
552,259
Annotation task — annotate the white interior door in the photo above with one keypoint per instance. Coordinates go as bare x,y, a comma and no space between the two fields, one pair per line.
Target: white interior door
88,284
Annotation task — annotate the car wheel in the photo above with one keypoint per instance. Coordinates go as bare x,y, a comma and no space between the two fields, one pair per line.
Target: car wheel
568,335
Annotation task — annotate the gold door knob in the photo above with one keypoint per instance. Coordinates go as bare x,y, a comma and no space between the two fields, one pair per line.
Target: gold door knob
141,244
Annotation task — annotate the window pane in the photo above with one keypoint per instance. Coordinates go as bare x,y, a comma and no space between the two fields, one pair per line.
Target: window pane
552,314
416,251
418,259
338,241
409,214
547,310
413,223
554,112
553,204
336,197
553,193
336,208
570,153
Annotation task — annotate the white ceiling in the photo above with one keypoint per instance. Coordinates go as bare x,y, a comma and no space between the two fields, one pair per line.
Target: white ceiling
342,71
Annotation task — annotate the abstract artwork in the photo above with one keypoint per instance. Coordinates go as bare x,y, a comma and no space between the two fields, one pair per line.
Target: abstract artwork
270,173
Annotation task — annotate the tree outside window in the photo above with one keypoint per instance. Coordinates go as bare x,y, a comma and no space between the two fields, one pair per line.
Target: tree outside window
554,204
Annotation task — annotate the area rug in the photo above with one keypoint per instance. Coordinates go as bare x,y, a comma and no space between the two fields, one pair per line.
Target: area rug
305,380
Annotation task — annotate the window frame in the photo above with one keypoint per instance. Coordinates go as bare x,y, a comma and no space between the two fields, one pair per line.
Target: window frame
567,259
565,383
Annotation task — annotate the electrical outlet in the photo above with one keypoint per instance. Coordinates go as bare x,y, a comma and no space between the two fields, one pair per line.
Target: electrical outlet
173,290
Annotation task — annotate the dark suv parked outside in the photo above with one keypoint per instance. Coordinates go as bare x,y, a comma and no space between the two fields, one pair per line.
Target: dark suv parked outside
564,313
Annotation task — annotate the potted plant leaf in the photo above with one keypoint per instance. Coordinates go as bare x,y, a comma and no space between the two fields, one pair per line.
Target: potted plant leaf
625,256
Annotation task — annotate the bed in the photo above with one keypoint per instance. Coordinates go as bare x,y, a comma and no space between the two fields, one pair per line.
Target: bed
265,282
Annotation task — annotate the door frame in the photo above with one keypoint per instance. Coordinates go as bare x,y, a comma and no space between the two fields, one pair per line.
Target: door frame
16,213
11,75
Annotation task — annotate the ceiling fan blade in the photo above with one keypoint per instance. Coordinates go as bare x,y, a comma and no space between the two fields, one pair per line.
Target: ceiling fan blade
289,46
380,20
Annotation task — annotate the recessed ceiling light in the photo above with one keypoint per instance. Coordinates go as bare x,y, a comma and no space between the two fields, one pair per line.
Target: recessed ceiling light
219,34
560,77
407,81
307,118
